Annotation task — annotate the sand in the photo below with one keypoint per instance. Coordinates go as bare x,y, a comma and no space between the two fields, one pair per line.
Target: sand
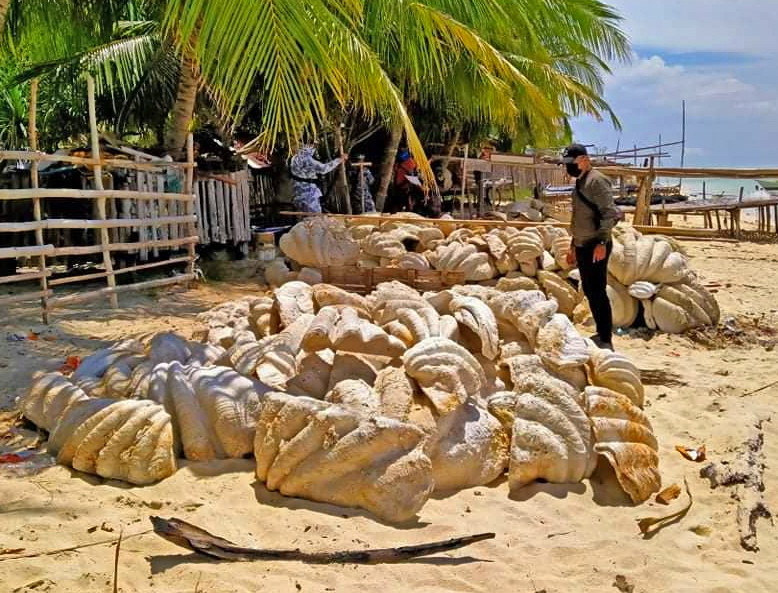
556,539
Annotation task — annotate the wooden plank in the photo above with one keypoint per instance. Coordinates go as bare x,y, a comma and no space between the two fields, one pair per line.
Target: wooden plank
21,155
236,210
697,173
36,202
163,210
24,277
97,276
110,223
191,229
153,207
91,249
203,220
87,194
212,212
220,211
105,240
28,296
143,232
245,190
103,292
81,278
32,251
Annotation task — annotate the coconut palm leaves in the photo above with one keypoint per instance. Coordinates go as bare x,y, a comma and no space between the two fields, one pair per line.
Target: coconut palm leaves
507,63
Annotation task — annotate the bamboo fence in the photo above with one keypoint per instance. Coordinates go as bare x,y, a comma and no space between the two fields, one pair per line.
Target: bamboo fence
222,204
164,220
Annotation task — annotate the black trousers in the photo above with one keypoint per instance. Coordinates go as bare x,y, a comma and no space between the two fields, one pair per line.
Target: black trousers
594,280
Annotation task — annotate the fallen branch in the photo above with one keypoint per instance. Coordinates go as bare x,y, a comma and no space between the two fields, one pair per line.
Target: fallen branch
200,541
73,548
116,563
645,525
773,384
747,473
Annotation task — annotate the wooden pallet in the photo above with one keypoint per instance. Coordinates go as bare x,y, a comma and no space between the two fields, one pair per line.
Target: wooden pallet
364,280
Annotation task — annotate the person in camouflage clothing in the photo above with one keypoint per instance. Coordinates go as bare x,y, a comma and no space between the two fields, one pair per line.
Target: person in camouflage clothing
305,171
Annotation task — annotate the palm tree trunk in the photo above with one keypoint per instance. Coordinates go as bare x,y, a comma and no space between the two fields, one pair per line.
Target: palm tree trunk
387,164
4,6
183,111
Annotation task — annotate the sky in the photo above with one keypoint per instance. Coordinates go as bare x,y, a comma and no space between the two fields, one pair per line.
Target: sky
721,56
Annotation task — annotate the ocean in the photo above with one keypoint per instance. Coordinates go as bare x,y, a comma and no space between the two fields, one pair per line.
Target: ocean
716,187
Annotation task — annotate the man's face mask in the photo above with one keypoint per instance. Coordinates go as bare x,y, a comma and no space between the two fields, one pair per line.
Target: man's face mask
573,169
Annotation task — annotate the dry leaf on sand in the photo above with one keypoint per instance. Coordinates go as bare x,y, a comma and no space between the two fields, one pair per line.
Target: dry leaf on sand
651,525
691,454
669,494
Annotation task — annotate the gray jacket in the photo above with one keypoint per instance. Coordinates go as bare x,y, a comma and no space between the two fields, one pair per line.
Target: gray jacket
587,226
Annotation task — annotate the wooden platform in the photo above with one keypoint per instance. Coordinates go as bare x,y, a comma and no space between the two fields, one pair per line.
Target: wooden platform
767,212
364,280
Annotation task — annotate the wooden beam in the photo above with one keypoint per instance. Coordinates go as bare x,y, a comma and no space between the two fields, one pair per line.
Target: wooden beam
616,170
92,249
36,202
36,251
24,277
103,292
34,156
105,240
191,227
99,275
89,194
110,223
20,298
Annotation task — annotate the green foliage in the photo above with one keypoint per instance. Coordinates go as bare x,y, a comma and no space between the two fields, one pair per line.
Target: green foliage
515,69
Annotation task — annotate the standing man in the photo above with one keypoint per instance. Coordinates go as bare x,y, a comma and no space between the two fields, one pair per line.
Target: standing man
594,216
305,171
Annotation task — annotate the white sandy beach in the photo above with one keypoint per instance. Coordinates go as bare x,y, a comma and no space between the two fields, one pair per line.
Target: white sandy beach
548,538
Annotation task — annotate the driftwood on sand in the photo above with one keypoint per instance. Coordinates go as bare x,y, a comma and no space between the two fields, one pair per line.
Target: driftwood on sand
200,541
747,473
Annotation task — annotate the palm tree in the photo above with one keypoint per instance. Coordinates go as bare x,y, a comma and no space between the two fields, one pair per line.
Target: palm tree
506,63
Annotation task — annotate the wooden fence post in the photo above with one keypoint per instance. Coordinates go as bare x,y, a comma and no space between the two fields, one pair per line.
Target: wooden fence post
105,239
190,206
36,202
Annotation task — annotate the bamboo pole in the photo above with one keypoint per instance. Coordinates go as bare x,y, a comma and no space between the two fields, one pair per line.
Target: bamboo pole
33,251
98,174
213,213
113,291
87,194
464,181
246,191
191,228
23,155
36,202
92,249
138,268
24,277
156,231
77,223
29,296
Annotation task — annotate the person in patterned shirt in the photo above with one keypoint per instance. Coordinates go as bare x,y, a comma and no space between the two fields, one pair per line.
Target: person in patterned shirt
305,171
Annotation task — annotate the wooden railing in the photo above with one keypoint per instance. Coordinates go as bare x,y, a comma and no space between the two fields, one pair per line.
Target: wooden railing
170,224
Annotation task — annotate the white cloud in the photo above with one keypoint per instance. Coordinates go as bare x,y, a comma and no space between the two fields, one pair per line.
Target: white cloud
732,104
708,91
746,26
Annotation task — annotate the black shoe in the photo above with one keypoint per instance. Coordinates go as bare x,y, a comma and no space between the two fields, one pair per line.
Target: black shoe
602,344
